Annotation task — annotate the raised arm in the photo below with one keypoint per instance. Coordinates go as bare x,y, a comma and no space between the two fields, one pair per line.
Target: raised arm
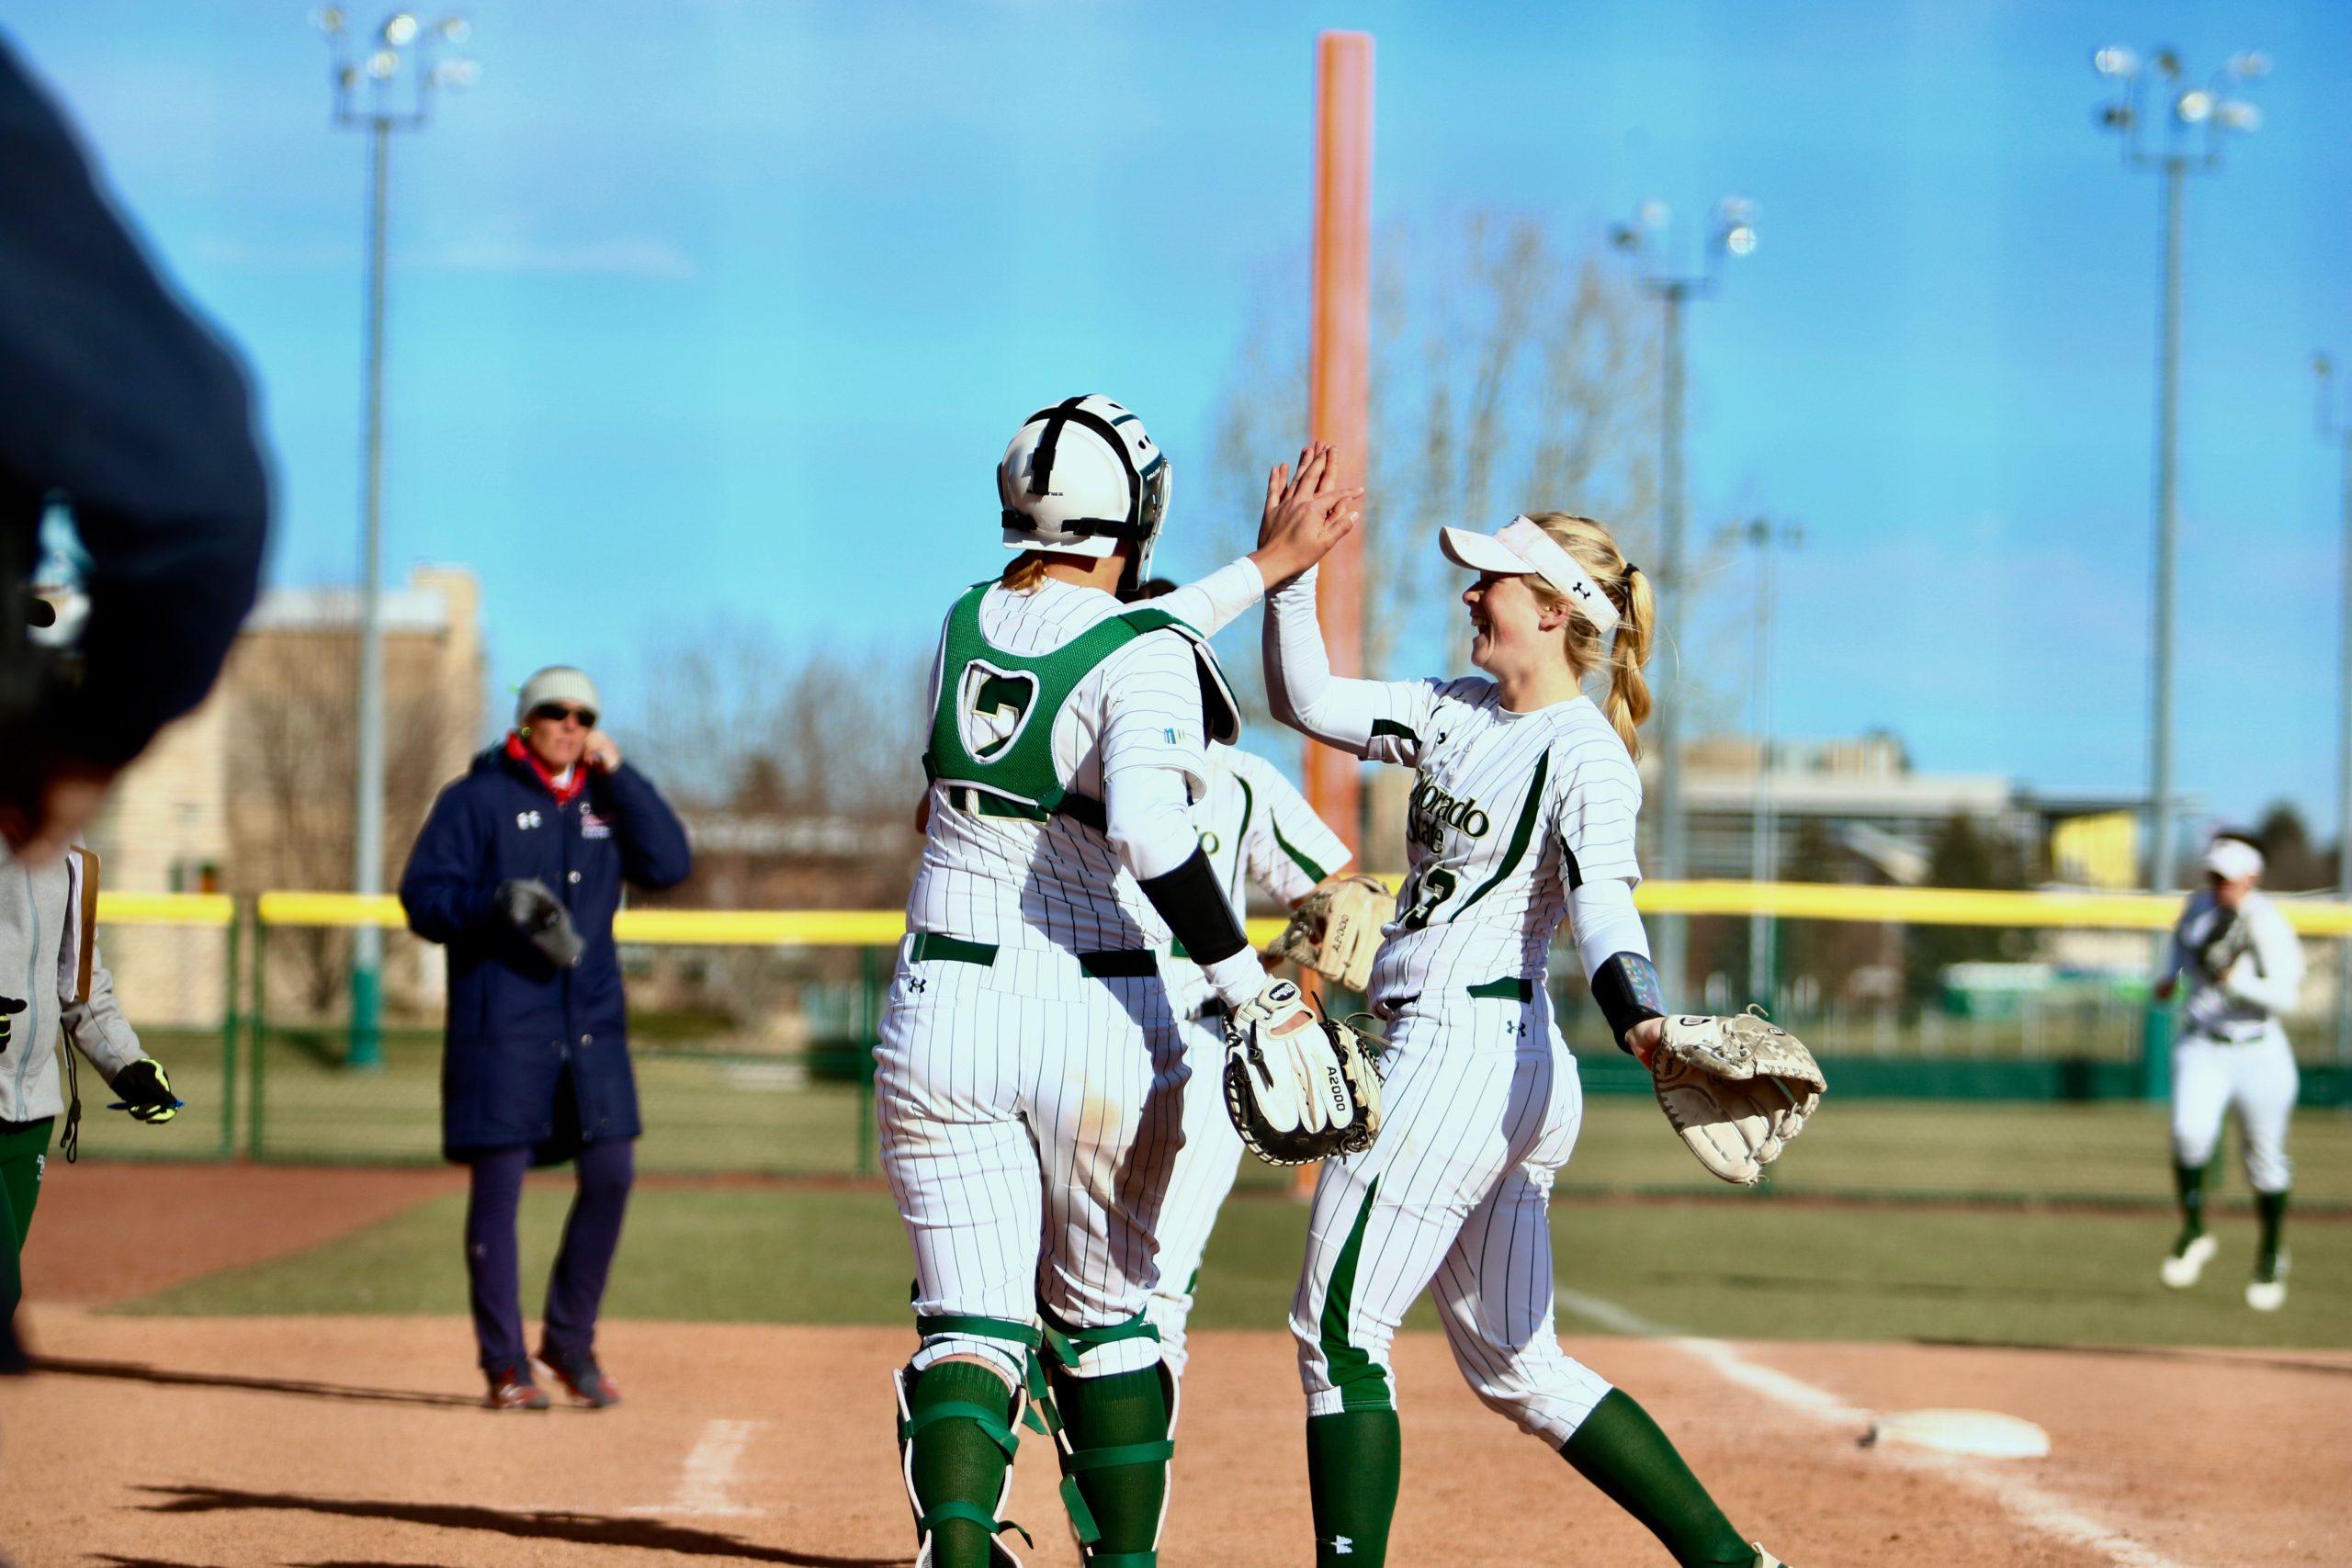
1338,711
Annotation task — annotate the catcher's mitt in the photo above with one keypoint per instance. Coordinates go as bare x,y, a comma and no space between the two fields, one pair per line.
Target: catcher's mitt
1302,1095
1736,1089
1336,930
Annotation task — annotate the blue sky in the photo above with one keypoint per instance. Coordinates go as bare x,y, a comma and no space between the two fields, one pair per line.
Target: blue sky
722,309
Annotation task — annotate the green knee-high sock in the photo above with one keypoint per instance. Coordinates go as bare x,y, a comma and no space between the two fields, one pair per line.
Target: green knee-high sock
1620,1450
2189,1181
2271,1208
956,1461
1353,1461
1121,1410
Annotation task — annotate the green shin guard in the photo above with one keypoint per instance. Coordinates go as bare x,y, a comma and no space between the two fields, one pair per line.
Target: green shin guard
2270,1209
956,1439
1353,1460
1620,1450
959,1446
2189,1181
1113,1436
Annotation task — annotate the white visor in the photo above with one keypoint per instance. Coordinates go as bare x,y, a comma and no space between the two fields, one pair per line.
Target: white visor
1523,549
2233,859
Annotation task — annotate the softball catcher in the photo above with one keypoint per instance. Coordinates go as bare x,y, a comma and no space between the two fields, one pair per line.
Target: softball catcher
1030,1074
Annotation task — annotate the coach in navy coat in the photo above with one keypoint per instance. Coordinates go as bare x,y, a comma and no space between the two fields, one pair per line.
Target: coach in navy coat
535,1068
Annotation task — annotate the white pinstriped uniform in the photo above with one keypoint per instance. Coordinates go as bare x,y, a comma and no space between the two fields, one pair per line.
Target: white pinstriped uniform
1481,1102
1026,1133
2232,1051
1256,827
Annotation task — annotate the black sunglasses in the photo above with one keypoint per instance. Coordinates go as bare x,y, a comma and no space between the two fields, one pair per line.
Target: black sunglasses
553,711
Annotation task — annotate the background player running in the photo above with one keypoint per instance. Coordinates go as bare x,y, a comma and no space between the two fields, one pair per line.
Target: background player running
2241,966
1255,827
1522,815
1029,1075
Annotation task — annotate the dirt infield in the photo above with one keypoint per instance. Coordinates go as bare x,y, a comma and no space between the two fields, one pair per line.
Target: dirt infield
106,1233
183,1443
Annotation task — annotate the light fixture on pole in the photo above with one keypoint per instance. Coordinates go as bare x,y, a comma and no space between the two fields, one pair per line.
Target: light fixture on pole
383,81
2167,124
1731,233
1764,842
2335,426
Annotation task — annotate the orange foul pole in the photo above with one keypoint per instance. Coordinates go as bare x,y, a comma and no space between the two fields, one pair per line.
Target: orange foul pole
1340,389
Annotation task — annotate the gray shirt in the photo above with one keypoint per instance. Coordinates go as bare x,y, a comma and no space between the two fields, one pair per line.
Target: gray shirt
49,961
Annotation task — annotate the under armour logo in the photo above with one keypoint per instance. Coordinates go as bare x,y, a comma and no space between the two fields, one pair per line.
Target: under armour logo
917,983
527,818
1340,1545
1581,590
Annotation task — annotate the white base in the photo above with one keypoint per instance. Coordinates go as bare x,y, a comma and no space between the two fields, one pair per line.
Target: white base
1986,1433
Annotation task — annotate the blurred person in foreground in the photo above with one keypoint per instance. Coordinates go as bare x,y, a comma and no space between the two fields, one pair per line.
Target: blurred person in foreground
2241,967
115,401
51,978
518,872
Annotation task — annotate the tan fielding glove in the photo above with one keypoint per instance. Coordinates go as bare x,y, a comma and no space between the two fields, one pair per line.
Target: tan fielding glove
1737,1089
1336,930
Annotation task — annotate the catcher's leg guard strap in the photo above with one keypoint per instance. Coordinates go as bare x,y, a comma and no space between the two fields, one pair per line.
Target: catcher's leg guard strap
956,1435
1111,1436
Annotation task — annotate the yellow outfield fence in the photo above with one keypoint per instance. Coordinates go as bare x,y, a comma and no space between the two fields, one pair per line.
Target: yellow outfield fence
1793,901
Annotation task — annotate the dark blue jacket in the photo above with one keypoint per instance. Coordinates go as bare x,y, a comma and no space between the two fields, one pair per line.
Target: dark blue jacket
520,1030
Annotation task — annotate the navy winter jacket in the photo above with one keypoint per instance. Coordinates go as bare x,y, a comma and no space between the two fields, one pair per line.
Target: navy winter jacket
536,1055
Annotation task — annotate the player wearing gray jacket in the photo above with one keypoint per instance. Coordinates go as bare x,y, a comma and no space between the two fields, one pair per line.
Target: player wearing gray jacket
2241,967
50,978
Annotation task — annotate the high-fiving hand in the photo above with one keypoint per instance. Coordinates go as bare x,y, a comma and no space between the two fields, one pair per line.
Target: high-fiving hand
1306,512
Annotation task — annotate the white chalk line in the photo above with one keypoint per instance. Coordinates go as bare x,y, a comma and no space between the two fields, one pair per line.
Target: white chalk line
2036,1505
709,1474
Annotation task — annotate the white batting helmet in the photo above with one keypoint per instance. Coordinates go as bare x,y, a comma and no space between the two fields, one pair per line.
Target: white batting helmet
1079,478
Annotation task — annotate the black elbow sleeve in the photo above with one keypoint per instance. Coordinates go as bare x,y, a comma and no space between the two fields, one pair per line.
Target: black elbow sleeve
1193,903
1627,989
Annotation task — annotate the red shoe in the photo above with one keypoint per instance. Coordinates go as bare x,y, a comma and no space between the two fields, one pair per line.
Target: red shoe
583,1380
511,1388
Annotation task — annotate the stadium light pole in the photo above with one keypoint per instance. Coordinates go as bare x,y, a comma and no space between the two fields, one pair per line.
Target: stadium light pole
1731,234
2192,121
1764,847
384,86
2336,427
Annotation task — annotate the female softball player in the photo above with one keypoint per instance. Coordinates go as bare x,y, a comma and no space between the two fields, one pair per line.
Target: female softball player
1029,1075
1522,815
2243,966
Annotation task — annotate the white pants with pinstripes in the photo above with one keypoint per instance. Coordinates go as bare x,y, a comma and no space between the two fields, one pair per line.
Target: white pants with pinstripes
2258,1075
1027,1136
1480,1106
1204,1174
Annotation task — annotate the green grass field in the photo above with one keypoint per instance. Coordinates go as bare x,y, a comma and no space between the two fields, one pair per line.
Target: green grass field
1726,1267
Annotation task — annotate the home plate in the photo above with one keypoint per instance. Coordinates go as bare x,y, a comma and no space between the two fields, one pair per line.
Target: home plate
1984,1432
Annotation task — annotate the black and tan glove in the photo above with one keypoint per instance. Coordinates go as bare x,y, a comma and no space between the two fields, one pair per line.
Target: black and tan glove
1299,1091
531,907
1335,930
1737,1089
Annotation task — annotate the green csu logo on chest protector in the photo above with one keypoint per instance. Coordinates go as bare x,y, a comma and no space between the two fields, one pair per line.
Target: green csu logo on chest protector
992,733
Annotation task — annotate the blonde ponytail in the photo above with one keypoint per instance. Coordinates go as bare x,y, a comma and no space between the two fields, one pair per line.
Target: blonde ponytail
1628,703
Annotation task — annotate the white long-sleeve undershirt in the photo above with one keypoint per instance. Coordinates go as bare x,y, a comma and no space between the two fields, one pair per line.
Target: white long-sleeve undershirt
1603,915
1300,687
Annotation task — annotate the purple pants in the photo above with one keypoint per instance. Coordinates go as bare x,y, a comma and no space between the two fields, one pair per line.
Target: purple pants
591,1234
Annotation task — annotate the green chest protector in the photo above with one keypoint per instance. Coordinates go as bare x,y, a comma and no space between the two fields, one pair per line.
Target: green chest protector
993,730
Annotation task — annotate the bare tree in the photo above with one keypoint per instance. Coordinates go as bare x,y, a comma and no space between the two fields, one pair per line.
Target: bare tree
291,823
1507,374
